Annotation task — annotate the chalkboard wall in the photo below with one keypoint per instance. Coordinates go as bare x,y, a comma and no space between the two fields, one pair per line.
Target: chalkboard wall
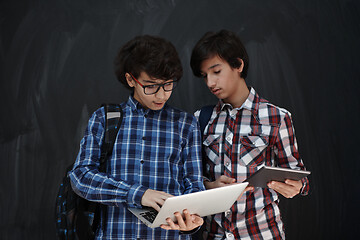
56,68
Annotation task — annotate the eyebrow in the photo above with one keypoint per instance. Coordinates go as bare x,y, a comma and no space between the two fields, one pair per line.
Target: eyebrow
149,81
215,65
154,82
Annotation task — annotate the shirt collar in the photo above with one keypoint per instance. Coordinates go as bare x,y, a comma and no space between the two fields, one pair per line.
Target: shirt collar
251,103
136,106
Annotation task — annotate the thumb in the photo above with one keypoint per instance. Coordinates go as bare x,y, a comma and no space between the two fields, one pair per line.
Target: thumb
226,179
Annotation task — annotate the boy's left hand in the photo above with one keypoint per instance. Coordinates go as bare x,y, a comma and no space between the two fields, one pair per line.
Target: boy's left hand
188,223
289,189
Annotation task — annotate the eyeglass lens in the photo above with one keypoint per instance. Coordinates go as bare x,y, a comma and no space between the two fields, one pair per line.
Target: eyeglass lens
152,89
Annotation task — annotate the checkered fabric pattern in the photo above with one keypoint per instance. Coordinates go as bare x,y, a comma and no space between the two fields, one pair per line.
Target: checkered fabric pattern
159,150
238,142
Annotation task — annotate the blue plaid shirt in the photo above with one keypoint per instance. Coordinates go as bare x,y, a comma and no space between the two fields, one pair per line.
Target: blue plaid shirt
160,150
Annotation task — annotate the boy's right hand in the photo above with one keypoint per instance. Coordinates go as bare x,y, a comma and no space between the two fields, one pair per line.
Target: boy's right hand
223,181
220,182
154,199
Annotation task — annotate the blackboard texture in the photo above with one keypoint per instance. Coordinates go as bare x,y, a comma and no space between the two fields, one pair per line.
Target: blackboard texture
56,68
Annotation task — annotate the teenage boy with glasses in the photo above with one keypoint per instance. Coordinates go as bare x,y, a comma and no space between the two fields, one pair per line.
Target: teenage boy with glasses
157,152
244,133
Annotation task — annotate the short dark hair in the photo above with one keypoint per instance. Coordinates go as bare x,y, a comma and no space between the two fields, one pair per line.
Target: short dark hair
153,55
226,44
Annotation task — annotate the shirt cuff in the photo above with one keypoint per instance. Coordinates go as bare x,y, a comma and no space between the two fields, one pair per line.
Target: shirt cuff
135,194
205,179
305,187
190,232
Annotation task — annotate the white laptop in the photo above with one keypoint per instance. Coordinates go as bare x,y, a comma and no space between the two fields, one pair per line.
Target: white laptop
203,203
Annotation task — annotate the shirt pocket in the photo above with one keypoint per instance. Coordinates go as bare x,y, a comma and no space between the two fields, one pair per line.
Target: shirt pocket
251,150
212,148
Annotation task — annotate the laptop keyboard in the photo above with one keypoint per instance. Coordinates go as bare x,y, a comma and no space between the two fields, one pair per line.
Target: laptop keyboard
149,215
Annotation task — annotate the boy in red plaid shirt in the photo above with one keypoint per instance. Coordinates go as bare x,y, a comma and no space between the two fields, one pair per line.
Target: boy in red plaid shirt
244,133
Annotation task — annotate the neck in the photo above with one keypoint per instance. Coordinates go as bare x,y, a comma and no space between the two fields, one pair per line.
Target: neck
240,95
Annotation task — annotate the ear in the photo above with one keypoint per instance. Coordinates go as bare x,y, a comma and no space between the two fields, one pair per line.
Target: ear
240,69
129,79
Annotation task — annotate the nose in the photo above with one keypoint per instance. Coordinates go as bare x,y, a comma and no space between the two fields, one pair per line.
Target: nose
210,81
160,94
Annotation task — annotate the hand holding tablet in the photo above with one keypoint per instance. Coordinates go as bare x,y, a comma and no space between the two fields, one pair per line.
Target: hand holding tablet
266,174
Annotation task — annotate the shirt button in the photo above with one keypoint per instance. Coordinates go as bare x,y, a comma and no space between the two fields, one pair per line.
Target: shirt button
143,138
228,138
142,161
227,213
227,163
229,235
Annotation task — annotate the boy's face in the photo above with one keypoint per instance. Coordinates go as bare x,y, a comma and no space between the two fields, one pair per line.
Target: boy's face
222,80
154,101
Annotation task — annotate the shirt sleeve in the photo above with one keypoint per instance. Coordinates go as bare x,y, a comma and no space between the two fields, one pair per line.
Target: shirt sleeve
88,182
193,180
286,150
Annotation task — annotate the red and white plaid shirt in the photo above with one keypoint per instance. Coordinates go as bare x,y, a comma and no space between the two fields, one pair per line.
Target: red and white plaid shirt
238,142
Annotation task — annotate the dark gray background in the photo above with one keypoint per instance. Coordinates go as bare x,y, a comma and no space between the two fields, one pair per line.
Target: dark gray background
56,65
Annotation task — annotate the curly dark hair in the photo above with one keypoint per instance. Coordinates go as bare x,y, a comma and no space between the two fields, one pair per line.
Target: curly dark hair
153,55
225,44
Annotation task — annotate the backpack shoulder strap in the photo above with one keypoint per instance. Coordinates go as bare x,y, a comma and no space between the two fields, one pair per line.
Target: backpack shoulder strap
113,119
204,117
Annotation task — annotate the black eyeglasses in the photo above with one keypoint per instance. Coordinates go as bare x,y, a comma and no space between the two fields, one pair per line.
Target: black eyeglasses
154,88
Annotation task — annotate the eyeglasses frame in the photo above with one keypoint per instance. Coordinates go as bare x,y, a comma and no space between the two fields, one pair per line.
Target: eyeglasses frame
159,85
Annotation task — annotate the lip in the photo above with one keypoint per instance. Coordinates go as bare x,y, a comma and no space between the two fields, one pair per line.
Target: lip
158,104
215,91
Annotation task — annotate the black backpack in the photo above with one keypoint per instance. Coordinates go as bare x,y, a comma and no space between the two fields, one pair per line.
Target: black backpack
204,117
77,218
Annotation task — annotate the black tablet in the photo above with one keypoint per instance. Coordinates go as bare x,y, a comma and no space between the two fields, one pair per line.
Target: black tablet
267,174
